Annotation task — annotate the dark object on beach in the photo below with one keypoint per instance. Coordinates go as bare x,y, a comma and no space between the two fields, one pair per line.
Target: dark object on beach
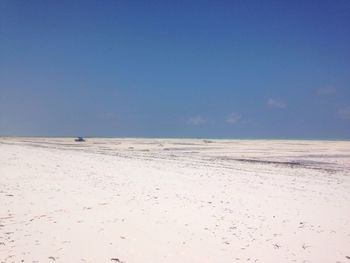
80,139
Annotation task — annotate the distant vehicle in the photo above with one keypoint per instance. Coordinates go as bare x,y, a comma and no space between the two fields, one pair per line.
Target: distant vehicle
80,139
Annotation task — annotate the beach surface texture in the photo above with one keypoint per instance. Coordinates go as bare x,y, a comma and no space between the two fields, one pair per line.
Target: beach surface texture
174,200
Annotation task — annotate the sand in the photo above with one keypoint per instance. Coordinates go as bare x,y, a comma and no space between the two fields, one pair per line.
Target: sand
173,200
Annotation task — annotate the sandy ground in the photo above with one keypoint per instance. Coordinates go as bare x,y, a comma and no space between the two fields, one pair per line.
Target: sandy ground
159,200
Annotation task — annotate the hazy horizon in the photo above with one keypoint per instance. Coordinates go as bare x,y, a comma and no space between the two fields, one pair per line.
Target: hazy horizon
177,138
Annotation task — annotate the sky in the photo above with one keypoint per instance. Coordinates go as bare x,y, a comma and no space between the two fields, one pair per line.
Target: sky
204,69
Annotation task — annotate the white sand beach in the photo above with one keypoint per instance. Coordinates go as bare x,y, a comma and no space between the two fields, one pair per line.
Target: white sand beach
174,200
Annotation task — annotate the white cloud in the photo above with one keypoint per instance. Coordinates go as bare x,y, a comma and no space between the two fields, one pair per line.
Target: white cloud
196,120
107,115
344,113
276,103
327,91
233,118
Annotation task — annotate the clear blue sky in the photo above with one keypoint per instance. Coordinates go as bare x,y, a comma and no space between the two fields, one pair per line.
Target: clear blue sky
234,69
